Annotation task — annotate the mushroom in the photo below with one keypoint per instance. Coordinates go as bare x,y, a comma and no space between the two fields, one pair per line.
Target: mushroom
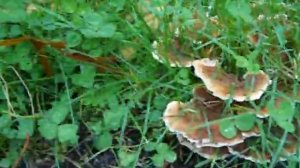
206,152
255,153
225,85
195,121
173,55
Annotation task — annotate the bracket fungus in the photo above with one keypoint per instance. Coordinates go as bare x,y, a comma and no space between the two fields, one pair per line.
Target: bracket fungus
200,123
173,56
249,150
196,121
225,85
207,151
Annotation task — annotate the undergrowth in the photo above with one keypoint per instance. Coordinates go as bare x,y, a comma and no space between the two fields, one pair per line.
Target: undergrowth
79,86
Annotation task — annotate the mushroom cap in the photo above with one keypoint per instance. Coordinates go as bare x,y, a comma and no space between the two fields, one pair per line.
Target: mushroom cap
190,122
195,121
225,85
173,56
207,151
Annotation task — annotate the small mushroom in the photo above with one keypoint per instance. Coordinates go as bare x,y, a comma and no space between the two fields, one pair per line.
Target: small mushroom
206,152
172,55
225,85
195,121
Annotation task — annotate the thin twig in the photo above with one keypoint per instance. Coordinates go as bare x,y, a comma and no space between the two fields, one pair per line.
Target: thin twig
26,88
25,147
5,91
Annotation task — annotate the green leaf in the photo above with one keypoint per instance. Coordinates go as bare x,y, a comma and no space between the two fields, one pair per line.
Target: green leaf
150,146
58,112
284,111
26,64
104,31
280,32
171,156
227,129
165,152
20,52
126,158
113,118
253,68
282,114
47,129
5,121
286,125
5,163
67,133
103,141
240,9
9,133
118,4
93,19
96,52
245,122
158,160
160,101
100,97
95,127
15,30
12,11
241,61
73,39
183,77
162,148
3,30
26,127
155,115
86,76
69,6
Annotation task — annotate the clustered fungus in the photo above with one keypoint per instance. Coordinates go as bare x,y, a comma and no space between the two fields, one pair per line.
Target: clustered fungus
197,122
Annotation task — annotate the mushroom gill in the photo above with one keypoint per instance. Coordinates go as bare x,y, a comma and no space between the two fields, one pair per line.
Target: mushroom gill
207,151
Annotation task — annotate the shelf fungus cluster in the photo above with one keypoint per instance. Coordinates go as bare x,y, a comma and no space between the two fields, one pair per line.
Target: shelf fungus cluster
198,123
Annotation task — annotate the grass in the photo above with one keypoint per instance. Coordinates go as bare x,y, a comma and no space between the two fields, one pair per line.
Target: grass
79,86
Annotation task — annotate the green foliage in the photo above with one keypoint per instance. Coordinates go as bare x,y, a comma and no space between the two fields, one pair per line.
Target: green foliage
183,77
86,76
164,153
240,10
73,39
245,122
126,158
227,128
47,129
58,99
25,128
66,133
103,140
58,112
283,115
96,26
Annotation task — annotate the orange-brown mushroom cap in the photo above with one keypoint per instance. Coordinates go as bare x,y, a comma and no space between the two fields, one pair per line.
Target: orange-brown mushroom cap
191,123
225,85
195,121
